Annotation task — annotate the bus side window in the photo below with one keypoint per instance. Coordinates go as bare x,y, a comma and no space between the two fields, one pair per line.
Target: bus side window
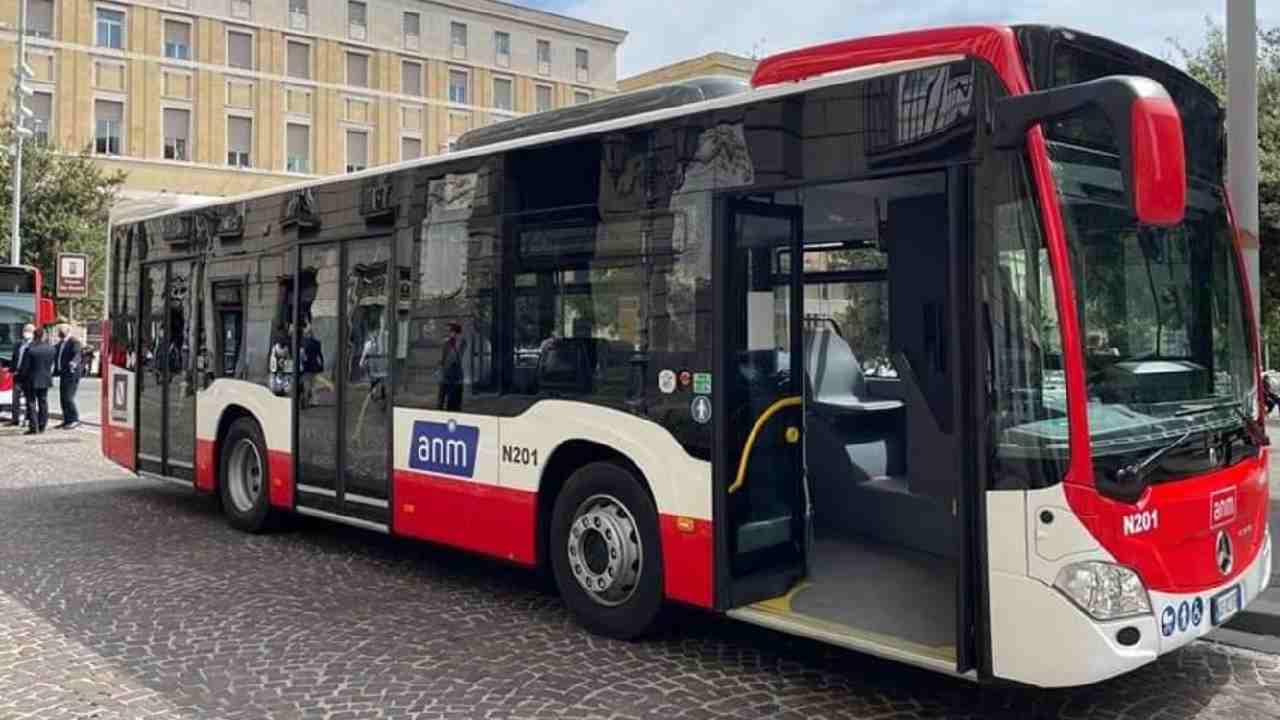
447,278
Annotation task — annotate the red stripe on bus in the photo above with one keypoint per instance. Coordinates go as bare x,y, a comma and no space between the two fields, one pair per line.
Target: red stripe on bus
687,560
483,518
280,468
206,466
119,446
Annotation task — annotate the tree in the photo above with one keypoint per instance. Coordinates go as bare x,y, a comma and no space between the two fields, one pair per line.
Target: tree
66,204
1208,64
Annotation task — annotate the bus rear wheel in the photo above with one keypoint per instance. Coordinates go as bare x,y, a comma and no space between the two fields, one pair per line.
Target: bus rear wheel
605,551
243,477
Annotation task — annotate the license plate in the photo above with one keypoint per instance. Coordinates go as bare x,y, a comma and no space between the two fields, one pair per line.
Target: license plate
1224,605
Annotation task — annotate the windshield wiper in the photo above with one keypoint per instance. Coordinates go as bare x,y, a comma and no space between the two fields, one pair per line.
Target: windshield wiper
1252,426
1138,471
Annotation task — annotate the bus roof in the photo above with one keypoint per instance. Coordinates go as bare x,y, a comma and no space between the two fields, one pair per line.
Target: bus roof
668,95
834,77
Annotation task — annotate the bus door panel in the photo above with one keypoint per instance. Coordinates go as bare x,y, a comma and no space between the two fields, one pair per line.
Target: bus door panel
762,406
320,357
366,397
152,374
184,344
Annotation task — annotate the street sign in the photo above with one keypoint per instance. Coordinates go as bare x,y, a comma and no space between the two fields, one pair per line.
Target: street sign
73,275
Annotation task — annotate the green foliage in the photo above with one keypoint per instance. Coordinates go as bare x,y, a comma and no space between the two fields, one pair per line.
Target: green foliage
1208,64
66,203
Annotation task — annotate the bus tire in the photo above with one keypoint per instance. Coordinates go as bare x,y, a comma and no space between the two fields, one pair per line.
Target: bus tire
605,552
243,477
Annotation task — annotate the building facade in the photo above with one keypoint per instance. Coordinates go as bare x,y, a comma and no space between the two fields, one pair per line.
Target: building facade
217,97
715,63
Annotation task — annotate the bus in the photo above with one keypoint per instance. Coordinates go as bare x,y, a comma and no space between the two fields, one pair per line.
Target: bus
21,303
931,345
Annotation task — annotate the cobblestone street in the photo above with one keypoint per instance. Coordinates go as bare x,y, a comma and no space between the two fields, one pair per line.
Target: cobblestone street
124,599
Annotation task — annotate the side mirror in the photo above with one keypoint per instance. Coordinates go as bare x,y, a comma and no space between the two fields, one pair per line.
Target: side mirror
1148,134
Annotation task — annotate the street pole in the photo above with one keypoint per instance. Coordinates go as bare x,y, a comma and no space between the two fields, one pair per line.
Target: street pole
1242,135
19,60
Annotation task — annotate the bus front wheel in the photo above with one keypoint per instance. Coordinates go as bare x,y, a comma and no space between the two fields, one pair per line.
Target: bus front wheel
244,475
605,551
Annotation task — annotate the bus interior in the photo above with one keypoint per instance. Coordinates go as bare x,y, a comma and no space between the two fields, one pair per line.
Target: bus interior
867,309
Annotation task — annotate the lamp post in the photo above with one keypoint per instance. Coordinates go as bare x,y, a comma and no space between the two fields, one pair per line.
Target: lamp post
21,73
1242,135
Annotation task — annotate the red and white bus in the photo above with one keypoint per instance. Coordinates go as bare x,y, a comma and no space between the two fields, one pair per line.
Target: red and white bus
21,303
930,345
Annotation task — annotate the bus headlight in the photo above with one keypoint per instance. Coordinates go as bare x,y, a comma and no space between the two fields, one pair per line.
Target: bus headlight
1104,590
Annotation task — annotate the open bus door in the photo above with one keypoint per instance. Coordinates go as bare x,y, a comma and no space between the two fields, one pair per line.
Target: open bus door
841,454
761,439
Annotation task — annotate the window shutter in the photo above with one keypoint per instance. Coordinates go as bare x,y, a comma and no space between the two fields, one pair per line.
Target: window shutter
239,134
176,123
299,60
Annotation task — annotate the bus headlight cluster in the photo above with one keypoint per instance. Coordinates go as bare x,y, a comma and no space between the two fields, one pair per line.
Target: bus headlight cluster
1104,590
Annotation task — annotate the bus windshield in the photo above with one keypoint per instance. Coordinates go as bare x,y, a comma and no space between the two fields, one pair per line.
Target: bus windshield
1161,310
17,307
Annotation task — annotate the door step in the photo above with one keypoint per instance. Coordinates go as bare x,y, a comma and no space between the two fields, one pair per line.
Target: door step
764,533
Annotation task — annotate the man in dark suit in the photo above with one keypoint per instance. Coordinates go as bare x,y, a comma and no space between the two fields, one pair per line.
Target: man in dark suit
15,365
66,367
37,370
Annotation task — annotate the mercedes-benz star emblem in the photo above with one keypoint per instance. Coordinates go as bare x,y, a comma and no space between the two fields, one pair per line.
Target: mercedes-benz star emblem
1223,553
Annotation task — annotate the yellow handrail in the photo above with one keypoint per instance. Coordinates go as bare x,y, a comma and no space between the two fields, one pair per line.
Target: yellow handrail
782,404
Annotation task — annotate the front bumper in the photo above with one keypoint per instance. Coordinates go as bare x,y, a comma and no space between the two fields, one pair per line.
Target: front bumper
1182,618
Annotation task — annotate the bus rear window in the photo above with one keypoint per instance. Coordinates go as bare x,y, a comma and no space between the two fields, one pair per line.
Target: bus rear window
17,280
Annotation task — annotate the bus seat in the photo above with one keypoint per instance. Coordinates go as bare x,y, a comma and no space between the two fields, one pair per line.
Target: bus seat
836,377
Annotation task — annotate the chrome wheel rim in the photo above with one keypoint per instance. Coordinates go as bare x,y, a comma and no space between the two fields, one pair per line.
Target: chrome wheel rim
244,475
604,550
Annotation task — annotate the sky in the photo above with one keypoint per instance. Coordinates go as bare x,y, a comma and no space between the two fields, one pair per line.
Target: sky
686,28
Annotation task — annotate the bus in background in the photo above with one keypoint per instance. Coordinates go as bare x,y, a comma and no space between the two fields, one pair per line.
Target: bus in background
21,303
929,345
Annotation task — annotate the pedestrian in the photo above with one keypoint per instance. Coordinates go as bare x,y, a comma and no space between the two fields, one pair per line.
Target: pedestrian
19,381
312,364
451,374
66,367
37,371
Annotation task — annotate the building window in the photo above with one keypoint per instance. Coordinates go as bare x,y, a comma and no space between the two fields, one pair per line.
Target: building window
298,12
411,78
40,18
108,118
240,50
544,57
110,28
502,94
357,20
42,116
458,86
299,60
357,69
542,98
177,39
410,148
582,64
581,96
502,48
357,150
298,142
458,39
412,30
239,141
242,9
177,131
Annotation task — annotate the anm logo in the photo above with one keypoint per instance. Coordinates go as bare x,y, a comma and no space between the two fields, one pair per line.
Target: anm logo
447,448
